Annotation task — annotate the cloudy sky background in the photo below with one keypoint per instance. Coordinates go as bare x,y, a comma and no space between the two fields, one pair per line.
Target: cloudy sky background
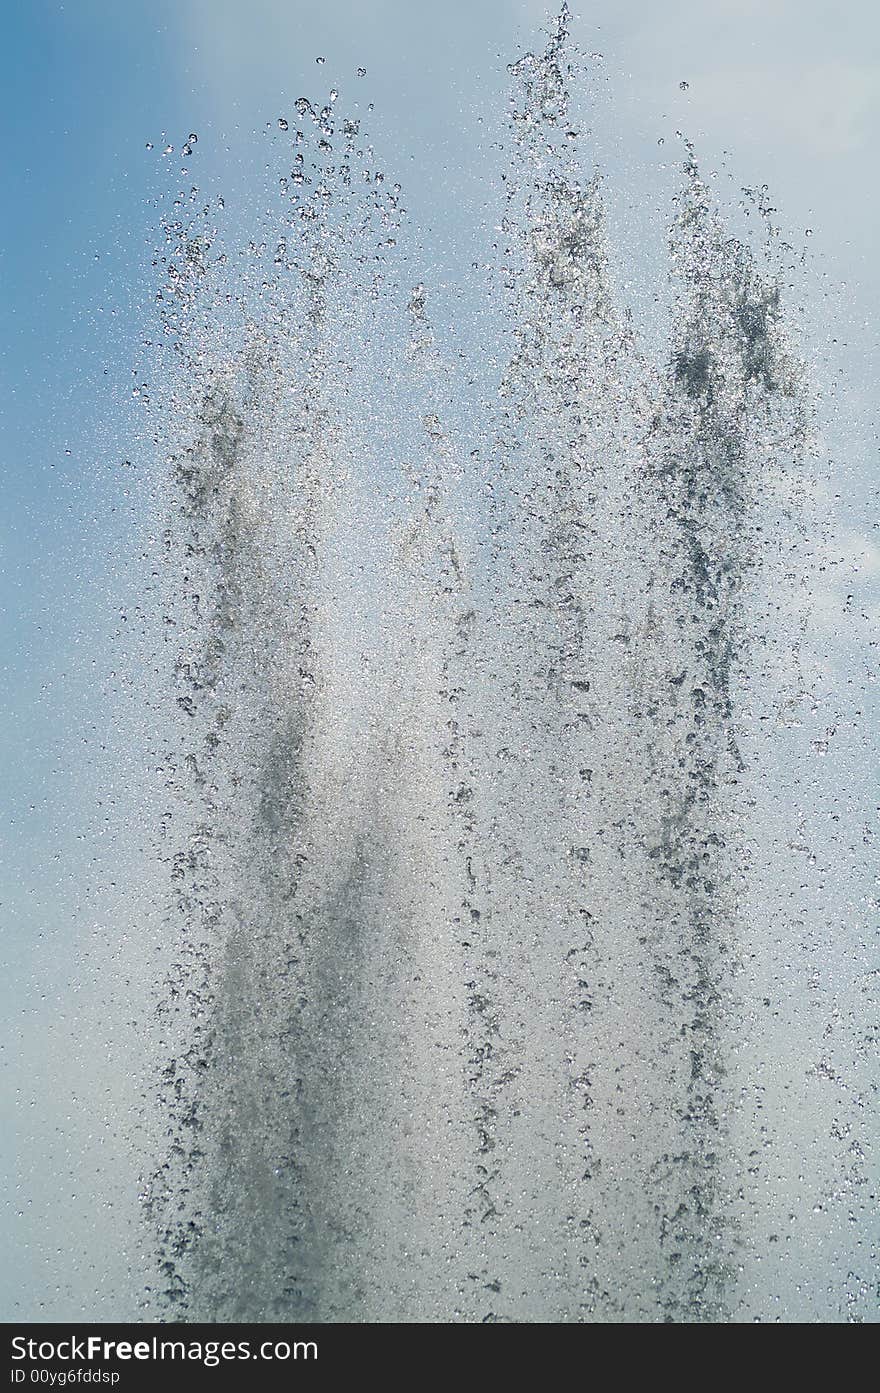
782,92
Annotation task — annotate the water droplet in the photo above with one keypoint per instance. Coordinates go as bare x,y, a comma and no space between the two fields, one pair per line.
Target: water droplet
361,72
320,60
684,86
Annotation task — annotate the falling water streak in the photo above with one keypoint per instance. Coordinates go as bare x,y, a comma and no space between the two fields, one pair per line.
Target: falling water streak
732,386
256,481
437,823
568,445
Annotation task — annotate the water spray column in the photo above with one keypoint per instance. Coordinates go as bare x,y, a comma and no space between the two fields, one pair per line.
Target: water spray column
732,387
253,1008
569,414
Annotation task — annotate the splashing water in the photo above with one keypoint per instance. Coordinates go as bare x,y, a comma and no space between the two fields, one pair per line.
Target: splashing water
465,1021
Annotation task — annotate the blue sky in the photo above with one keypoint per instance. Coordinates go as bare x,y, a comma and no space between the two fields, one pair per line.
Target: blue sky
790,88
